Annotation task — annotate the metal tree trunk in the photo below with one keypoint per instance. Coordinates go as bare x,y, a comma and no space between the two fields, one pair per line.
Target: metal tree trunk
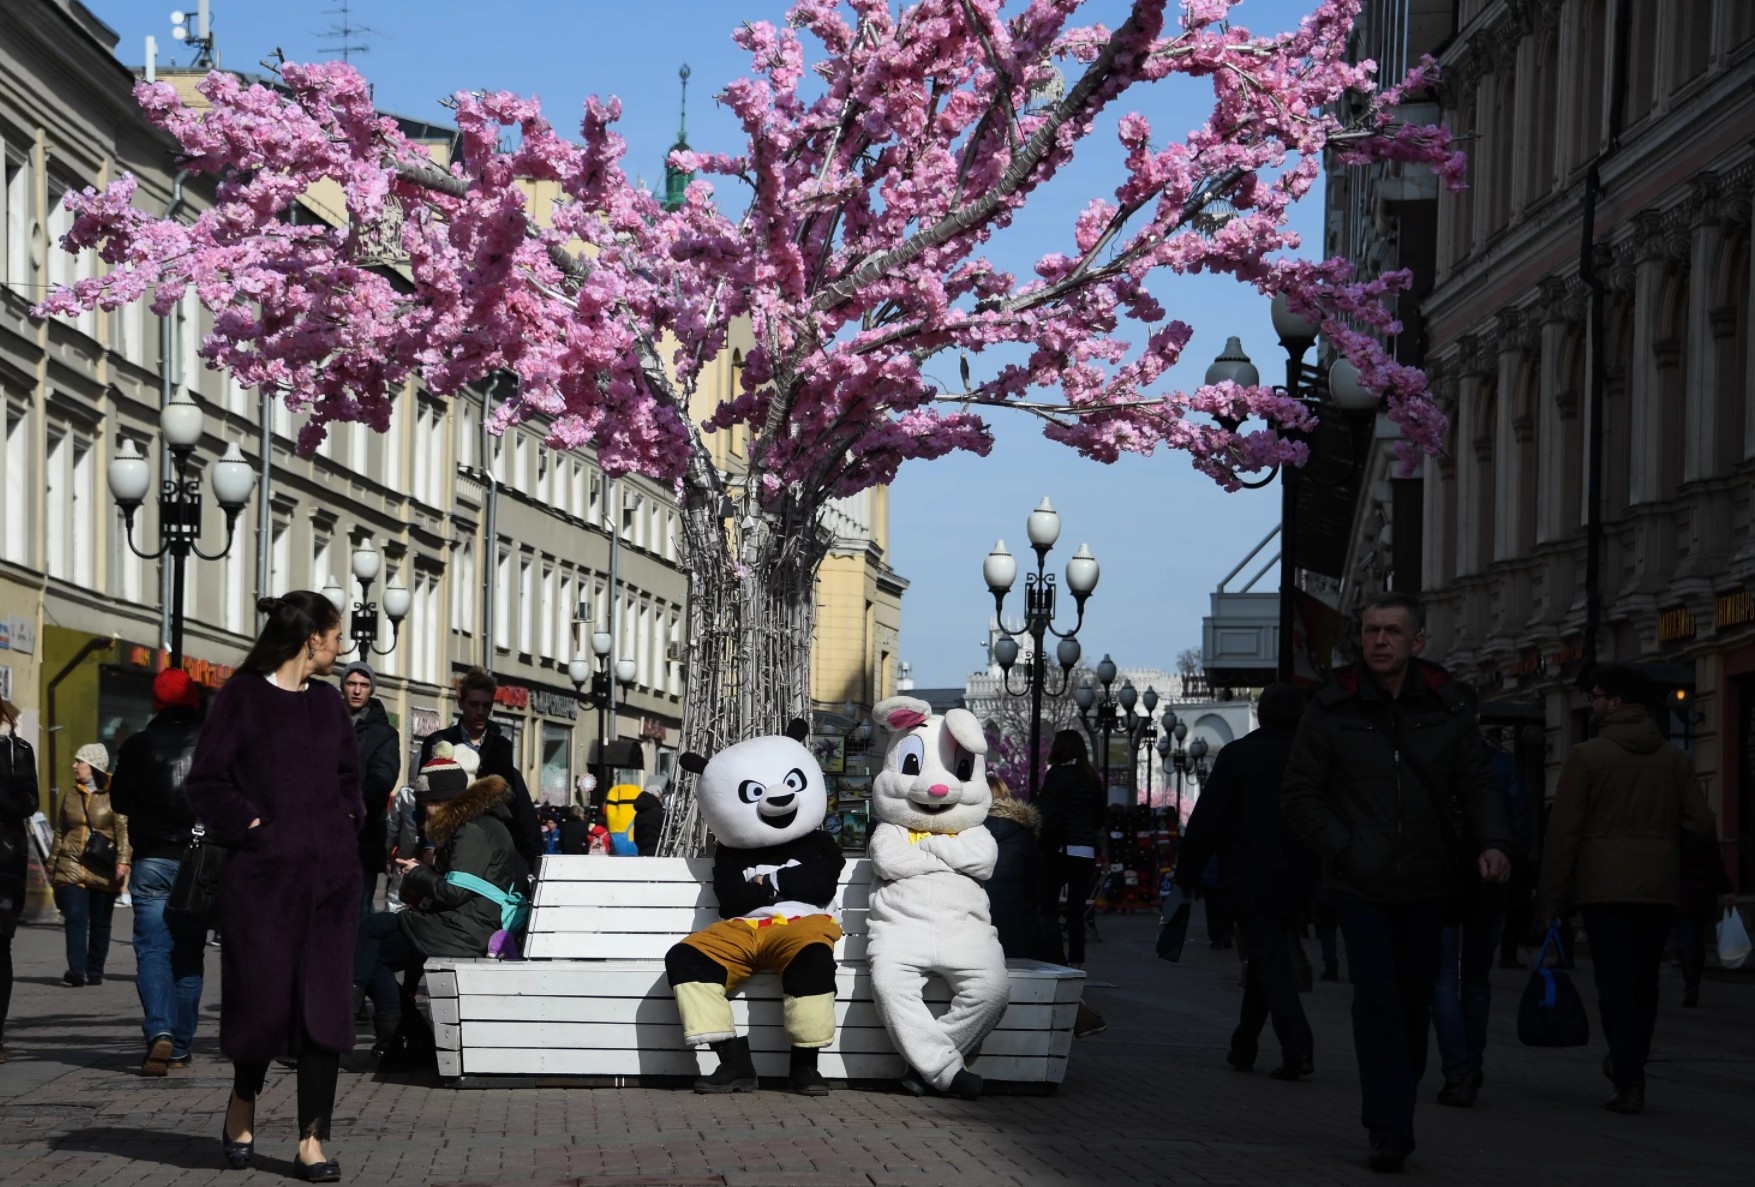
750,613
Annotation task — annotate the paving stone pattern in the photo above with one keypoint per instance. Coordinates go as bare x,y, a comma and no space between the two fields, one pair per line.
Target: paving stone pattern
1148,1102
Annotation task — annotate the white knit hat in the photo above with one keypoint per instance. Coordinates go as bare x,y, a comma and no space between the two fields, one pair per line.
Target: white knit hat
95,755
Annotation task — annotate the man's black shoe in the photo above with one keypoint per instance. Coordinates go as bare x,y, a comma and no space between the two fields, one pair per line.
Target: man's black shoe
1461,1093
1243,1061
965,1085
1390,1153
1292,1069
736,1071
803,1077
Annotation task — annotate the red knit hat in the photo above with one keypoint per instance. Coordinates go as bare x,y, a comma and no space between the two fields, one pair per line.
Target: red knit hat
173,688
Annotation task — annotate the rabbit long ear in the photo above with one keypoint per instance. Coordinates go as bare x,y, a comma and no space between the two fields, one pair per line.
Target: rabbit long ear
897,714
966,730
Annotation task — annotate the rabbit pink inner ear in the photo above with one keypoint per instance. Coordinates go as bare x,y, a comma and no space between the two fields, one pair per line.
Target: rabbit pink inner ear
905,719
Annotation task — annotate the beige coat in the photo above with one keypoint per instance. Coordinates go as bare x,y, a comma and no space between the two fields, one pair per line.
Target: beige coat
83,810
1624,799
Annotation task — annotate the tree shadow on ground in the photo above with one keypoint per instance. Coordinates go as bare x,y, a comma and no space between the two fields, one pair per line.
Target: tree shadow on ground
157,1146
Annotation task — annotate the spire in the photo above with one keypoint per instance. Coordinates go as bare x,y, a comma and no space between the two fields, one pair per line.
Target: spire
675,180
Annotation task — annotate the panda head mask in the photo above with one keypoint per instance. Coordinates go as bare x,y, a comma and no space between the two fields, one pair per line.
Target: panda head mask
935,768
761,792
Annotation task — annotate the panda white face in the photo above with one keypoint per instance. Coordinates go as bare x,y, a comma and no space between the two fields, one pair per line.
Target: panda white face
762,792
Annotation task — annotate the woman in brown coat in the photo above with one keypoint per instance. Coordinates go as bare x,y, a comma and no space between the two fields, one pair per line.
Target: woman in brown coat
88,866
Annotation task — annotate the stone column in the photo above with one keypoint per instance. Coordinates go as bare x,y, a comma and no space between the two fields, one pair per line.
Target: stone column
1558,422
1700,347
1470,492
1645,480
1509,446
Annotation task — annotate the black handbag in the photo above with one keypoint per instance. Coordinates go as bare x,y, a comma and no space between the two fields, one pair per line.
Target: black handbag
1551,1013
1173,925
195,892
99,855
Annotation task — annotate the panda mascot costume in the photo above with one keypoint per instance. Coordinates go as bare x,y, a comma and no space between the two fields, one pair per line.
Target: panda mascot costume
930,853
776,873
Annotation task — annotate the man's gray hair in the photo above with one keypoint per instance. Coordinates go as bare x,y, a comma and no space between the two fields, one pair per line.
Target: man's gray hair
1390,599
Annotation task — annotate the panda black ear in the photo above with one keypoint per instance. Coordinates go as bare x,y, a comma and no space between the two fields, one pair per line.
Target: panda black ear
798,729
693,763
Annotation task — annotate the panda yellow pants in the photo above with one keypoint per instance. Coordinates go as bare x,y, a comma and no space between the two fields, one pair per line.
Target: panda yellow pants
710,964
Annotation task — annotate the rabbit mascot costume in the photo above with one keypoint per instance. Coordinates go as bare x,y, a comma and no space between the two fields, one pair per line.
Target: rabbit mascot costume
776,873
930,853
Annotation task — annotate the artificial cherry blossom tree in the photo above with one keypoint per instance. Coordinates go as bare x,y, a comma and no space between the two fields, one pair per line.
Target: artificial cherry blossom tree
877,166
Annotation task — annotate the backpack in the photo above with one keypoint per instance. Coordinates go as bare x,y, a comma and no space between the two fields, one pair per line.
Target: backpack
514,912
618,818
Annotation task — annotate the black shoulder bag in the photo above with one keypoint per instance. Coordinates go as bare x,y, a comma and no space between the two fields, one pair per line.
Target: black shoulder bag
195,892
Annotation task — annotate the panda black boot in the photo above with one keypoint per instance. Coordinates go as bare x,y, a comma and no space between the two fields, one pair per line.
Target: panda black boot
736,1071
804,1078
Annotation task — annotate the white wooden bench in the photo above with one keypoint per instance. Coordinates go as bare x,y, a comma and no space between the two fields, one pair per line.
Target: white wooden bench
590,1004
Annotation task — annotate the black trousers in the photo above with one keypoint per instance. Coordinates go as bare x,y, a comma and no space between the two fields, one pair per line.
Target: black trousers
1077,875
1270,988
1627,943
1393,954
319,1068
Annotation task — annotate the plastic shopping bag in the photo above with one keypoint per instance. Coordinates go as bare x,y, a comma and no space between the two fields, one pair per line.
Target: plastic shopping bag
1733,940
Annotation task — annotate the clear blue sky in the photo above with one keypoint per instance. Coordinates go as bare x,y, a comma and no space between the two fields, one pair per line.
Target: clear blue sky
1164,534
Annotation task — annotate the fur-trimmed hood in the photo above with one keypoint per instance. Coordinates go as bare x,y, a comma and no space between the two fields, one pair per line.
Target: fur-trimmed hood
490,793
1018,811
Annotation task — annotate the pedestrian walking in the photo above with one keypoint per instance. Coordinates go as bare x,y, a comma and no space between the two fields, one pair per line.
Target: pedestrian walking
18,803
277,779
1265,873
88,866
1704,893
1074,808
169,946
1613,852
380,766
476,729
1462,996
1387,783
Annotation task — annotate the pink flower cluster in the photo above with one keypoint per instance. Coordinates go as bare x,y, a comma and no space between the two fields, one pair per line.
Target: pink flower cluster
879,169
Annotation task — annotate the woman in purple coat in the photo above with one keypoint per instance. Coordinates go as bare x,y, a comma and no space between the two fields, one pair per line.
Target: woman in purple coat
276,779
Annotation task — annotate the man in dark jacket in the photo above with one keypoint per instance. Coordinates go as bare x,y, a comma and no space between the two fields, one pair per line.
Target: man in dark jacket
380,766
1265,872
649,819
476,730
1388,784
168,946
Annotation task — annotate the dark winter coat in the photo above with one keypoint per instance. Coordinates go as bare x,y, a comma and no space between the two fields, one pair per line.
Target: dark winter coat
648,823
1394,795
473,836
18,803
1263,866
1074,807
1014,893
497,759
148,785
290,892
814,880
380,764
1623,798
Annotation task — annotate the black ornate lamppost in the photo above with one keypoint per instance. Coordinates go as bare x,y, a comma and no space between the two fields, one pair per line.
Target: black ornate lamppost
601,697
1000,570
363,626
1103,715
179,499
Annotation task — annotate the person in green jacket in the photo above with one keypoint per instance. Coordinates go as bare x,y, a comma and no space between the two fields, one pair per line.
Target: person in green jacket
1613,852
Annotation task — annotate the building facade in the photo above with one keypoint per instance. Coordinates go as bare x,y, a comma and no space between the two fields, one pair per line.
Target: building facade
1587,327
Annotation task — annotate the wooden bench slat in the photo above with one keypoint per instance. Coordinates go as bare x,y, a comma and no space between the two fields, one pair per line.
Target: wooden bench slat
542,1061
675,922
772,1036
661,1011
640,979
624,895
574,945
572,867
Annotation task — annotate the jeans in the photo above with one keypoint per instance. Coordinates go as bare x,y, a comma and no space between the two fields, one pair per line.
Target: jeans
1077,874
169,948
384,950
1270,989
86,923
1626,947
1463,994
1393,954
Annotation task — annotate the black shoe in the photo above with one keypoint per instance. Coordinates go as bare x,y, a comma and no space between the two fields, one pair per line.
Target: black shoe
1389,1153
914,1084
803,1077
1461,1093
1627,1100
1242,1061
1690,998
76,980
237,1154
327,1171
158,1057
1088,1023
966,1085
736,1071
94,979
1292,1069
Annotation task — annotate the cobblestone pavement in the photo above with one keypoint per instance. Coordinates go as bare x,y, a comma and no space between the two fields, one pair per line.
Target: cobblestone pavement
1149,1101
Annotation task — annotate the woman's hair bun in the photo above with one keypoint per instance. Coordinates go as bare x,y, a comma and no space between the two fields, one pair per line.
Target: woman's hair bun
267,605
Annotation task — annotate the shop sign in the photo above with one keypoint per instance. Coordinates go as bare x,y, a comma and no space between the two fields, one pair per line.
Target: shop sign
203,672
5,682
424,721
651,727
24,634
1675,625
512,696
554,704
5,634
1733,609
1527,664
